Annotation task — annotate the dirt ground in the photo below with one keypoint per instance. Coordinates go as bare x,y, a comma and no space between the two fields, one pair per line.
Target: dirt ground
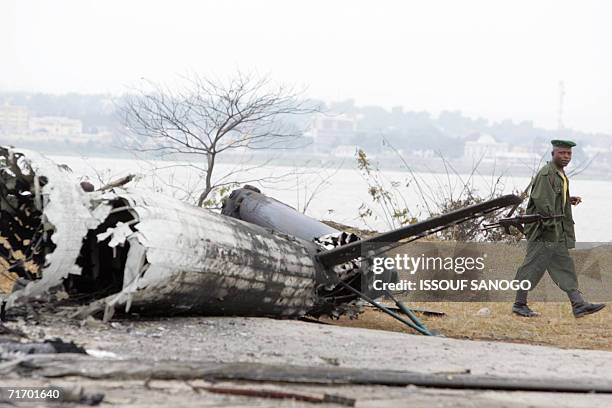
189,341
133,344
555,327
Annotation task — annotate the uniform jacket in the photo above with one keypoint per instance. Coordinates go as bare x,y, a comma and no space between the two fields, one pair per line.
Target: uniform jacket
546,198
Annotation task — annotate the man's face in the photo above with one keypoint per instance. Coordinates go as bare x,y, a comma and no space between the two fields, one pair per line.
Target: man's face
562,156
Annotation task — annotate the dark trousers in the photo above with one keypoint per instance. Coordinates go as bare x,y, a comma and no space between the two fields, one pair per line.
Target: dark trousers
553,257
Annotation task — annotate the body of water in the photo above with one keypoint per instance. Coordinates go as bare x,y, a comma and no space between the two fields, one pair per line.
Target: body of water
341,193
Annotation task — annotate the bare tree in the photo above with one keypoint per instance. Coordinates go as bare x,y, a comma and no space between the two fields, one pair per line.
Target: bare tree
204,118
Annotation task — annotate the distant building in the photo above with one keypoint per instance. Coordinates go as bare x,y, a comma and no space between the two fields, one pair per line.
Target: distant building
13,119
329,132
424,154
484,147
518,155
56,126
593,150
490,150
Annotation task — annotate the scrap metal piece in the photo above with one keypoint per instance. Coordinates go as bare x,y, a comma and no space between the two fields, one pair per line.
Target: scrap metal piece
278,394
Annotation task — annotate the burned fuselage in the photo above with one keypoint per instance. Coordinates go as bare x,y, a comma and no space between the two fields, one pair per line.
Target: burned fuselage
145,251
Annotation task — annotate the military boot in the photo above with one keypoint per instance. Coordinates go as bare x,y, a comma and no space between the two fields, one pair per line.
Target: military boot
520,305
581,307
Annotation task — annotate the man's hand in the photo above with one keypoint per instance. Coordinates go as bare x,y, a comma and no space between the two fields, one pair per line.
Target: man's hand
575,200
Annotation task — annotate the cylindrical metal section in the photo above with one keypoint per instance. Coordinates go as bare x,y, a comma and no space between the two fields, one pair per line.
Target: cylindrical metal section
248,204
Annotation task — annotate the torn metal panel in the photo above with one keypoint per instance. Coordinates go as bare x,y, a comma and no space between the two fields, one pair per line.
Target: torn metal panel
61,226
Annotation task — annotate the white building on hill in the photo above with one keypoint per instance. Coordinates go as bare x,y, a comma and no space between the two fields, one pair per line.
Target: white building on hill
13,119
330,131
485,147
56,126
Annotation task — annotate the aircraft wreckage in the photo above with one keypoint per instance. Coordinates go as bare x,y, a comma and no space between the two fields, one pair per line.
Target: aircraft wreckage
152,254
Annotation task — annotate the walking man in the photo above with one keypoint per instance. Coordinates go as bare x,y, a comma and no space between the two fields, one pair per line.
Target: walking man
548,241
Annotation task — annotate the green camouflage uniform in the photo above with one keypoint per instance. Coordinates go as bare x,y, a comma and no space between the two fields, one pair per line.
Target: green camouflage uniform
549,241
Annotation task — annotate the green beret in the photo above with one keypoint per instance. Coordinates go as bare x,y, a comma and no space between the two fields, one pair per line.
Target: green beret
562,143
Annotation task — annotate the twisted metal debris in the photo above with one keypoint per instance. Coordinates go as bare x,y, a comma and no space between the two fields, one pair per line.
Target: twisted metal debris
148,253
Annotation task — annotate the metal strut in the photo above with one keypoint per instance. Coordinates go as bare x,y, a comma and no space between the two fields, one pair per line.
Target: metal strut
412,232
420,327
407,311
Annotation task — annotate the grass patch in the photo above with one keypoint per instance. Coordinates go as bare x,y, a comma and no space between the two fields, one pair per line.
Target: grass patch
555,327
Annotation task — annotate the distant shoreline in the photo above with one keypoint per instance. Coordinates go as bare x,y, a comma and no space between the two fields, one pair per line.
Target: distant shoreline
290,158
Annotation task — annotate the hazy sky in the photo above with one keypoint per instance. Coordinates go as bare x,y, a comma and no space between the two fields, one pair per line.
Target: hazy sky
496,59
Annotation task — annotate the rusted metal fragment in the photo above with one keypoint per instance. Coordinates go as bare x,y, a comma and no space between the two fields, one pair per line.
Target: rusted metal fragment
278,394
